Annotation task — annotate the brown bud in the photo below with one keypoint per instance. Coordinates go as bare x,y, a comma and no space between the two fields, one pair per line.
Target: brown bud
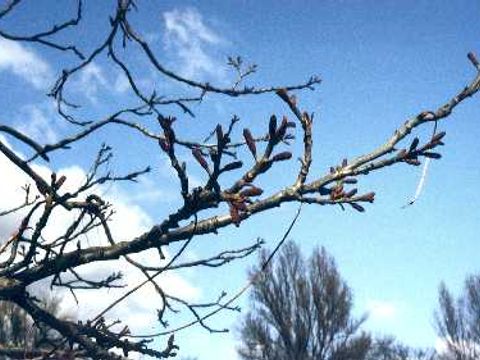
53,178
332,170
250,142
471,56
272,126
251,191
357,207
350,193
197,154
60,181
439,136
350,181
284,155
369,197
414,144
165,122
232,166
432,155
344,162
429,146
282,129
291,124
414,162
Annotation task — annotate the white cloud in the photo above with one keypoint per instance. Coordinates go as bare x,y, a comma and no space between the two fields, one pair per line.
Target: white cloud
440,345
12,194
38,122
191,40
90,81
24,63
121,84
381,310
138,310
152,192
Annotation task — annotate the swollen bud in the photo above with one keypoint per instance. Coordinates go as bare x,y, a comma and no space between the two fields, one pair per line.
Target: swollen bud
357,207
197,154
165,122
251,191
414,144
272,126
471,56
439,136
60,181
324,191
284,155
250,142
414,162
370,197
350,193
432,155
232,166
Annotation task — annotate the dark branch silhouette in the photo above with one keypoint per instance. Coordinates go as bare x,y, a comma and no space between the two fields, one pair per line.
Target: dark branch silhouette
229,196
301,309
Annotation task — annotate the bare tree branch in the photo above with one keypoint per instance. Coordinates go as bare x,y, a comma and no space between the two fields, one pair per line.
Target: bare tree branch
228,195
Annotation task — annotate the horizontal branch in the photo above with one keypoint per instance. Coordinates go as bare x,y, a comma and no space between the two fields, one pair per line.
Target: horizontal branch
156,236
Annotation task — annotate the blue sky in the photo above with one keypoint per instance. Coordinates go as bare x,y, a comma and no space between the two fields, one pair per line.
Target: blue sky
380,61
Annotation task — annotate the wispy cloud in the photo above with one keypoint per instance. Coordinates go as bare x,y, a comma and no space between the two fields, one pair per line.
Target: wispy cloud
24,63
91,80
380,310
192,42
129,221
121,84
440,345
38,122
